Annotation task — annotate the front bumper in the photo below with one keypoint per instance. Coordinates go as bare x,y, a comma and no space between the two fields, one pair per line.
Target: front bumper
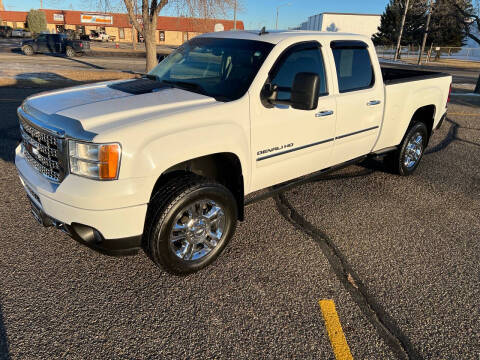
89,236
113,231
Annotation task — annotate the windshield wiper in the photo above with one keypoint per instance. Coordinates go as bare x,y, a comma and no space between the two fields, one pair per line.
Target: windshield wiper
185,85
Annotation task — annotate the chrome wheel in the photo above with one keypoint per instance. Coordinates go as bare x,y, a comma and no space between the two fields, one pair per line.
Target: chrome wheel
413,151
197,230
70,52
27,50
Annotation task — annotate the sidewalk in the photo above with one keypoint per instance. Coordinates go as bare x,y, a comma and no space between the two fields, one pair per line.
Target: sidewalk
122,51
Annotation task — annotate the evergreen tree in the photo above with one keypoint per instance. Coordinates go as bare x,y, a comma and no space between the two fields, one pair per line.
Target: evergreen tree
391,20
447,27
36,21
468,16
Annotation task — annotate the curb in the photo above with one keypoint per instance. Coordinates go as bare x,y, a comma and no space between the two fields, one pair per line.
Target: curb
125,54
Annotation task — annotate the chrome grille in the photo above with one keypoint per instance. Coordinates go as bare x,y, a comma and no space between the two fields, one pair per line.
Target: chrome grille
42,150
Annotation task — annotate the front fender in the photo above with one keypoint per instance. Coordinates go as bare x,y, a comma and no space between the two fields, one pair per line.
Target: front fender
167,151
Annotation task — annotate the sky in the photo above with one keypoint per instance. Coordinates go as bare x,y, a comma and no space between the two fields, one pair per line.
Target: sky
255,13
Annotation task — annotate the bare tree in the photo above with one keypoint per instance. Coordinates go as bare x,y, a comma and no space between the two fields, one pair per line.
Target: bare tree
146,23
399,41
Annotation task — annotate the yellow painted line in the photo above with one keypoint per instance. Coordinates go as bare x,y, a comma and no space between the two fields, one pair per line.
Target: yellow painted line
335,331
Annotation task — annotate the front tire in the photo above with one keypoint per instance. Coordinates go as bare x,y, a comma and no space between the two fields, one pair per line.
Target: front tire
406,159
189,223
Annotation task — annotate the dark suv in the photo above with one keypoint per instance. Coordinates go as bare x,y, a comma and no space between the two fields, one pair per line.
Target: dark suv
56,44
5,31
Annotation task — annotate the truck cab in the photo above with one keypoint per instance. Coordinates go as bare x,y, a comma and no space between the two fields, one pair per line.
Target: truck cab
163,163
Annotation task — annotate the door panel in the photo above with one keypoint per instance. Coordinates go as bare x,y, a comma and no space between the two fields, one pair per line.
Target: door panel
41,42
360,101
286,142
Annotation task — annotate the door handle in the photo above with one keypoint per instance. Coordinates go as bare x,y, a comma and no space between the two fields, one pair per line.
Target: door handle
374,102
324,113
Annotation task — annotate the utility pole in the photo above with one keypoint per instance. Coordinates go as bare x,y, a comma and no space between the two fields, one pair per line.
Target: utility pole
427,26
278,7
41,4
234,15
397,52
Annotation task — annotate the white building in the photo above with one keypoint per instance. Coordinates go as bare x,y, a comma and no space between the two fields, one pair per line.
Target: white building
365,24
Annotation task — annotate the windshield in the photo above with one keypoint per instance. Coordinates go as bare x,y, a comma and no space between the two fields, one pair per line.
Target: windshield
220,68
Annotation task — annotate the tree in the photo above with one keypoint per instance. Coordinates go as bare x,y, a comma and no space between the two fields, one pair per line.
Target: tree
469,17
391,20
447,28
146,23
36,21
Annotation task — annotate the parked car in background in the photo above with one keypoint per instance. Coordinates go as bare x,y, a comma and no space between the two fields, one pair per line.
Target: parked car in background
55,44
5,31
21,33
99,35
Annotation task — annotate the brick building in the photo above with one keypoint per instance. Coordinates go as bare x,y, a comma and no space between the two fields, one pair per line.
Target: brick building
170,30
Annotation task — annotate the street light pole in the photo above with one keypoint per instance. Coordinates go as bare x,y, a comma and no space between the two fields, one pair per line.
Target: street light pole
278,7
235,15
427,26
401,30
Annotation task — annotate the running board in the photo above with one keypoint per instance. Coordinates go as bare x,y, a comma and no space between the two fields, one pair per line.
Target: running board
300,181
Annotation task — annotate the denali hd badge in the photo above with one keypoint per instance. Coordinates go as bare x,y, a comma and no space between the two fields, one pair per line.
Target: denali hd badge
276,148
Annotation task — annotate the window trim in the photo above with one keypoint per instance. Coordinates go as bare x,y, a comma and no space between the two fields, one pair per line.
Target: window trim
348,44
304,45
352,45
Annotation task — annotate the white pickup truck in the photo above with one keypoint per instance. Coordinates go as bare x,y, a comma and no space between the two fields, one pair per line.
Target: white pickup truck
164,162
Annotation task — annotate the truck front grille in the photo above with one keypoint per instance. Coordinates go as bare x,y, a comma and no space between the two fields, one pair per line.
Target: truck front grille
43,151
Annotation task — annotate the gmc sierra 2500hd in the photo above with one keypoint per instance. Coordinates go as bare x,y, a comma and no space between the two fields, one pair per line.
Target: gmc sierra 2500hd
163,162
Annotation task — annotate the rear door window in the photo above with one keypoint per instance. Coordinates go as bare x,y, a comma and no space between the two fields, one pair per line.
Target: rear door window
353,64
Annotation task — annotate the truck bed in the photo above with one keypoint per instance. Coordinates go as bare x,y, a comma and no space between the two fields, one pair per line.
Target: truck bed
406,91
396,75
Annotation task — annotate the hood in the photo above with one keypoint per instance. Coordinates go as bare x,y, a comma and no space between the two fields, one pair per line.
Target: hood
107,104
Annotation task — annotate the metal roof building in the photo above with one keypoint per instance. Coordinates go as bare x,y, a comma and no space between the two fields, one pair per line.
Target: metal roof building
365,24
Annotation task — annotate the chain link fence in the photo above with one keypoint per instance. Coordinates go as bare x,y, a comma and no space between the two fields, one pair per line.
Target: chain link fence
432,53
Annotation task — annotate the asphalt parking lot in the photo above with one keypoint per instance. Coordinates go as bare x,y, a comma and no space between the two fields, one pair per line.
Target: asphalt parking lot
400,257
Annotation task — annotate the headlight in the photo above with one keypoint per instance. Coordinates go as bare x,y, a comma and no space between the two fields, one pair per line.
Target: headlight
95,161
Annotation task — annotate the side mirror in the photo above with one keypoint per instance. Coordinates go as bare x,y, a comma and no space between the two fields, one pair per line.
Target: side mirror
270,92
305,90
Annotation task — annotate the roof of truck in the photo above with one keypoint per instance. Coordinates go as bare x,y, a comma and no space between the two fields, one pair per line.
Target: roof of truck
275,37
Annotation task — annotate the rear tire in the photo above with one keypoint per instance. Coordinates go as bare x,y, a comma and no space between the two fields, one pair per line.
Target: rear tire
28,50
70,52
189,222
406,159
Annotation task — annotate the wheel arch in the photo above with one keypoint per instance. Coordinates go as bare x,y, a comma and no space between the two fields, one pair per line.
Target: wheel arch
224,168
425,114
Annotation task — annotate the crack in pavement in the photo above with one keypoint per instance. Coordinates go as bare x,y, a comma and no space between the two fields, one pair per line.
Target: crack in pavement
386,326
